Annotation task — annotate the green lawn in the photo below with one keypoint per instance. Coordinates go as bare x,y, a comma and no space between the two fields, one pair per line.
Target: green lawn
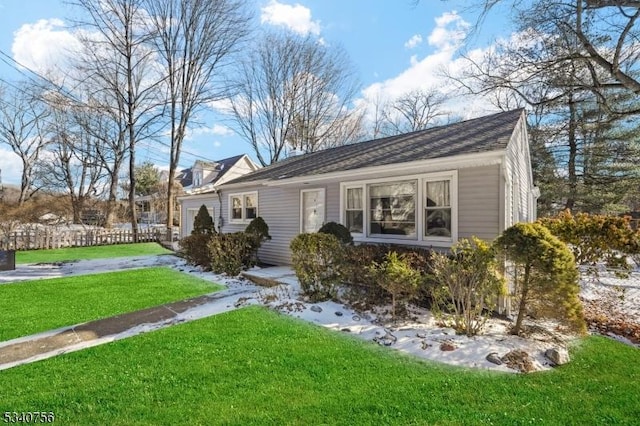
94,252
254,366
35,306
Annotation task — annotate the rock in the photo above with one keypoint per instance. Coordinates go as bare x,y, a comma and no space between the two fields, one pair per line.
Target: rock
316,308
494,358
557,356
387,340
447,346
518,360
425,345
346,330
339,314
390,337
355,318
421,335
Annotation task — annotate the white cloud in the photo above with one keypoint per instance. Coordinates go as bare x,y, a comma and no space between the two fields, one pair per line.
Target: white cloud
42,46
413,42
449,32
11,167
427,72
294,17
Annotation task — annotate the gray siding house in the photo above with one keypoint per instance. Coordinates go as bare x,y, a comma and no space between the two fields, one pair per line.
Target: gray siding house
425,188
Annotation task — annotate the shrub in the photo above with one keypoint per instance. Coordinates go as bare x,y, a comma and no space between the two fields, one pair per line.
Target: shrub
317,259
467,284
195,249
203,222
546,276
594,238
231,253
396,276
259,229
339,231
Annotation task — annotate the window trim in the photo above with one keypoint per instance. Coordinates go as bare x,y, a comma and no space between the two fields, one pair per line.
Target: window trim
241,195
420,238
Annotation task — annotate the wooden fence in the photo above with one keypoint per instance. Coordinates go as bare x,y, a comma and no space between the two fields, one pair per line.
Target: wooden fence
53,238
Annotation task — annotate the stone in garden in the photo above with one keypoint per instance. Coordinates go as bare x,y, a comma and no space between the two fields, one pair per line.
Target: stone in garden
494,358
316,308
518,360
346,330
355,318
447,346
339,314
558,356
421,335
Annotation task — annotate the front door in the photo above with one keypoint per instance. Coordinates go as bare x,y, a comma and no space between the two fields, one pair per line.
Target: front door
312,209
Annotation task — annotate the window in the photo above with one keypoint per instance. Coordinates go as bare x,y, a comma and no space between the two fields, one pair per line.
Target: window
392,208
354,210
422,208
437,208
197,178
312,209
243,207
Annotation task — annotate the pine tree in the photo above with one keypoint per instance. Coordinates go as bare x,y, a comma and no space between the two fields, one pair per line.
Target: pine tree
203,223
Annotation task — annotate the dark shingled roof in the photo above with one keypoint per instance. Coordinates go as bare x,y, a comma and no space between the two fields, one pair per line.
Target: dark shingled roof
490,133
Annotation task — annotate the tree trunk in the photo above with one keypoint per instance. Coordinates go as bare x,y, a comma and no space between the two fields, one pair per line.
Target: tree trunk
523,301
573,153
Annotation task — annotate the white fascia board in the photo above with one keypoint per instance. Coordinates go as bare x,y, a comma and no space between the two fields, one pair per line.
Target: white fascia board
414,167
182,198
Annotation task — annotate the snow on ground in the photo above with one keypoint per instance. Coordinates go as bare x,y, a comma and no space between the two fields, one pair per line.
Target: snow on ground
422,336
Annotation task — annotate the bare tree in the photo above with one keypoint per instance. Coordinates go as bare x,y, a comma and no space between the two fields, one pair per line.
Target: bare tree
604,34
195,40
118,65
294,93
414,110
72,163
22,127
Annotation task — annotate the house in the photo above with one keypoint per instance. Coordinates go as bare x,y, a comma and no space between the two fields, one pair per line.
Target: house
425,188
203,176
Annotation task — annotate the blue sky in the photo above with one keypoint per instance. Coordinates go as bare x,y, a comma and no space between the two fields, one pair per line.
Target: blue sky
395,46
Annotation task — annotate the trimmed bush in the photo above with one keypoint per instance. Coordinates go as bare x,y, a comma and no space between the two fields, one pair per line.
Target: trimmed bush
203,222
467,284
339,231
195,248
259,229
595,238
396,276
546,276
231,253
317,260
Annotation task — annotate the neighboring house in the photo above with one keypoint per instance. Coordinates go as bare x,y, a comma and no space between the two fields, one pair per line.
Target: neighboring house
200,184
425,188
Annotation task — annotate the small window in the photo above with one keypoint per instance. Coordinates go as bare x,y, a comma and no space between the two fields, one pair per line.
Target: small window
437,209
243,207
354,211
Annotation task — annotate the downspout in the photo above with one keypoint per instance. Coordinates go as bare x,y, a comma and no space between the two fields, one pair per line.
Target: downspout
220,214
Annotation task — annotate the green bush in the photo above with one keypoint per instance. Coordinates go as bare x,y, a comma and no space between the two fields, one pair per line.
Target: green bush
339,231
467,284
231,253
317,259
396,275
195,249
259,229
203,222
595,238
360,280
546,276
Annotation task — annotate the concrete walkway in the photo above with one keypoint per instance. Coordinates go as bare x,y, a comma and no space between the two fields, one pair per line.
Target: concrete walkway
48,344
